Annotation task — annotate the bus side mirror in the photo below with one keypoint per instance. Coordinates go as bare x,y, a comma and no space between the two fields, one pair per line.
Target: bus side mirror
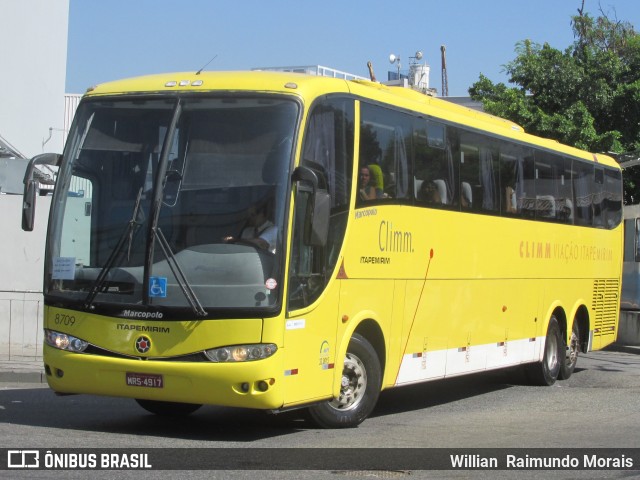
317,231
31,187
318,208
29,205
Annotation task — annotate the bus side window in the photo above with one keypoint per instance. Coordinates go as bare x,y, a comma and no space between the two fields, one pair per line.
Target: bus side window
553,188
435,176
598,194
509,169
478,173
582,192
386,150
612,197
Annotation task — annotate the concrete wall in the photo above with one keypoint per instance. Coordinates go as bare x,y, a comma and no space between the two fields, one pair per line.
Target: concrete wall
33,49
21,267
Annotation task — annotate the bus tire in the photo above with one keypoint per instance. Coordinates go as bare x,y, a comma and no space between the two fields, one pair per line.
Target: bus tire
168,409
546,372
359,391
572,347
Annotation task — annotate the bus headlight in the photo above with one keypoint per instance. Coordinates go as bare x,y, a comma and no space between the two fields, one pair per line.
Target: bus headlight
241,353
63,341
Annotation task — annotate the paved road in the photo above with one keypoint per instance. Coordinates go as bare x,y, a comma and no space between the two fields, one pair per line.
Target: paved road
599,406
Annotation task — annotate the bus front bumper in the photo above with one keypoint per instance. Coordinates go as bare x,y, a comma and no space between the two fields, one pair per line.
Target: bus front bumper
256,384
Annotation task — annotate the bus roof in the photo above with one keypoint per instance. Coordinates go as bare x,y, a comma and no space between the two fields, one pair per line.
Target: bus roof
310,86
283,82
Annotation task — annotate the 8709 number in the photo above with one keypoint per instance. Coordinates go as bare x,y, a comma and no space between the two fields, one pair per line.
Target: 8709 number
62,319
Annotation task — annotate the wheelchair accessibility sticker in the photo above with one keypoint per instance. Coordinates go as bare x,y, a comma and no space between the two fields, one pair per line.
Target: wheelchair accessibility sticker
158,287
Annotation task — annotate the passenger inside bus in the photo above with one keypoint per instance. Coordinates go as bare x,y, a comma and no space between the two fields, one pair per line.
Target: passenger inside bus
377,179
466,195
429,193
510,200
367,185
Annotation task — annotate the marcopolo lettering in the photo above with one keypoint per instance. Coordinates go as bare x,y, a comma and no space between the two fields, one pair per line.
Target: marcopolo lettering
137,314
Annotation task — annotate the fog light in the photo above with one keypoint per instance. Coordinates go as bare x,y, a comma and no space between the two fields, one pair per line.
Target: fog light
244,387
263,386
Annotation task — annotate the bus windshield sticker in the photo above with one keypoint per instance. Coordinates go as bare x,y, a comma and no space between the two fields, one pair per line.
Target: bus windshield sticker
158,287
64,268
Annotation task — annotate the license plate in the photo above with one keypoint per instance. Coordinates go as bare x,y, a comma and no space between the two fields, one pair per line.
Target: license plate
144,380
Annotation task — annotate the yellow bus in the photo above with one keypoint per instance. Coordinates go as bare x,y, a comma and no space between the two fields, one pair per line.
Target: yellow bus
276,241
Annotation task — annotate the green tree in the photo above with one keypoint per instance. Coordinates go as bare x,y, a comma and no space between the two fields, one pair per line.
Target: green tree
587,96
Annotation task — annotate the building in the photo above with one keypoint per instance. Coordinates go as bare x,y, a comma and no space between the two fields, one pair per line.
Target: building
33,49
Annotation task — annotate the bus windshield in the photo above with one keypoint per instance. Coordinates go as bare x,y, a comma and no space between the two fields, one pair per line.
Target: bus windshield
173,202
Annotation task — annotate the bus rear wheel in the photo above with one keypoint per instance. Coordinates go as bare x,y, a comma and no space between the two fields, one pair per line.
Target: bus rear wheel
359,390
571,354
546,373
168,409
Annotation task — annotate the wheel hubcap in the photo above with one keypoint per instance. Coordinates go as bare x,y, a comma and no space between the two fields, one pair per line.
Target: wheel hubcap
572,354
353,384
552,352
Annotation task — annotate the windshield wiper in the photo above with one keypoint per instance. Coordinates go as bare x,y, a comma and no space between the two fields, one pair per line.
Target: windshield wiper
179,275
155,233
134,222
128,232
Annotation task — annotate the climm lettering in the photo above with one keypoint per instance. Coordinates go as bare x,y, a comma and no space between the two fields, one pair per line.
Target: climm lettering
568,252
393,240
535,249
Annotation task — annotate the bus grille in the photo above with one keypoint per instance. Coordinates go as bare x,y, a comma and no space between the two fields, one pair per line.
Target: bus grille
605,306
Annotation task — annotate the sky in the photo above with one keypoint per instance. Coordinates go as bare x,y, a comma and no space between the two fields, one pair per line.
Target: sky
114,39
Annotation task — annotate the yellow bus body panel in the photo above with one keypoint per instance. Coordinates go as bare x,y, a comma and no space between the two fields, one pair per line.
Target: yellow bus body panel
478,290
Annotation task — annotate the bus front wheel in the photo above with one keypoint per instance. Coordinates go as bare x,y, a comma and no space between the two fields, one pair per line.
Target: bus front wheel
168,409
546,373
359,389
